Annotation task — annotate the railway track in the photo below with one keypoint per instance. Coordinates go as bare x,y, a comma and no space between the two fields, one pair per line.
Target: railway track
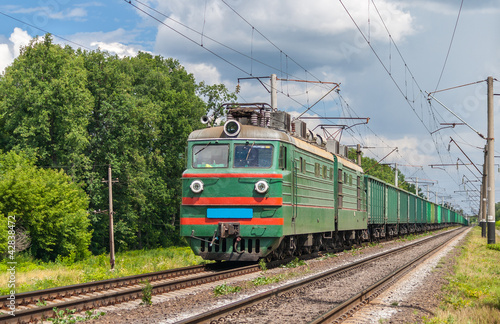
37,305
348,308
112,291
240,309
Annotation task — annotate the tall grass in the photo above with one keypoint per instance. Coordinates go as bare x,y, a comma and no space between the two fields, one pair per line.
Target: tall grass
35,275
473,292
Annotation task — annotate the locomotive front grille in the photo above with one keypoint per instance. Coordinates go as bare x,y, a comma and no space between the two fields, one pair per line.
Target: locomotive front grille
226,245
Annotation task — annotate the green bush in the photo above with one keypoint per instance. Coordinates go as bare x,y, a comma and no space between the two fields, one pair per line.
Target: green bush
48,205
295,263
225,289
147,294
493,246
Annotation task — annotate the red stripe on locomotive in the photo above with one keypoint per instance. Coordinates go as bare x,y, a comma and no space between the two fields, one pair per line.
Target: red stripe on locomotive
215,221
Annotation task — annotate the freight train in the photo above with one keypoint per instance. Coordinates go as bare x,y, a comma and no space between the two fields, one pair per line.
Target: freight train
264,186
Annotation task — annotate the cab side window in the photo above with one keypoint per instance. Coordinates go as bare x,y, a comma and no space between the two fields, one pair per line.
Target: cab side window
282,158
340,194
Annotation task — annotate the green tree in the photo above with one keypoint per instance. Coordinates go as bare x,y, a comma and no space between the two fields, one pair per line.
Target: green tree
215,95
48,205
3,234
45,104
144,109
85,110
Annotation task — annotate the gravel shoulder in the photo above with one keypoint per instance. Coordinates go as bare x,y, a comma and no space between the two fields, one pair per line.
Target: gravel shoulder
415,297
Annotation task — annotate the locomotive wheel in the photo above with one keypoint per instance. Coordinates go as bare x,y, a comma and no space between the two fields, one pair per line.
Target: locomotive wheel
347,243
318,243
278,253
376,236
359,239
339,244
270,257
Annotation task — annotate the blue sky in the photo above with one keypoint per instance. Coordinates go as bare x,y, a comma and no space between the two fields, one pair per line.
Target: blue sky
313,41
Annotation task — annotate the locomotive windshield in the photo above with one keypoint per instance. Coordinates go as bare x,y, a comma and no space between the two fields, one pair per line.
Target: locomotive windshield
253,155
210,156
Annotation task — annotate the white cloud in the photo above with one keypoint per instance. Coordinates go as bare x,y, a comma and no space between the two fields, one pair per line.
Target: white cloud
451,8
119,35
116,48
311,123
53,12
120,41
9,51
18,10
322,32
204,72
413,156
6,57
68,14
296,17
19,38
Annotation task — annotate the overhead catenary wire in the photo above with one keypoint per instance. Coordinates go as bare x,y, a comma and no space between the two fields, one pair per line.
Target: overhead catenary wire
411,94
253,29
347,108
460,118
204,46
45,31
185,36
280,69
451,42
391,76
267,39
407,69
214,40
252,59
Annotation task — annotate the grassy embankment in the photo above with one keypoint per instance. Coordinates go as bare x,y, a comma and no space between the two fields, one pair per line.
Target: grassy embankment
34,275
473,292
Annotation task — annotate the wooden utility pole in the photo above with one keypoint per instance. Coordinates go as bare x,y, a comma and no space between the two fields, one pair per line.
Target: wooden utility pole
491,165
111,231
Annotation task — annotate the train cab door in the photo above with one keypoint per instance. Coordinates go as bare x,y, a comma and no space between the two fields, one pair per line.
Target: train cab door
294,194
337,191
289,166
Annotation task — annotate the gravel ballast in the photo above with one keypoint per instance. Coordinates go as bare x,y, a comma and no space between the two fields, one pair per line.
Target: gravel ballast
305,305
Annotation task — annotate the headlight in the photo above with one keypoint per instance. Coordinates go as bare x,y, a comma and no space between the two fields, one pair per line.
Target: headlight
196,186
261,186
232,128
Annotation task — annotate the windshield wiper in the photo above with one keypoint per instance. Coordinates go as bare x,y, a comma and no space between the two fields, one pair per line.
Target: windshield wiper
203,148
248,154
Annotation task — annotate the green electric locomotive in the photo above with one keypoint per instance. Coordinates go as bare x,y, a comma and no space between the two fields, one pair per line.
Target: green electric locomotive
263,186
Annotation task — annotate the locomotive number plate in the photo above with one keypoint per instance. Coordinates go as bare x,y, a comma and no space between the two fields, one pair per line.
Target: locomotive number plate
229,212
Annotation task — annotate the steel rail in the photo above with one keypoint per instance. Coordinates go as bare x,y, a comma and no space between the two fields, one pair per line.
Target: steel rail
94,286
113,297
346,309
234,308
